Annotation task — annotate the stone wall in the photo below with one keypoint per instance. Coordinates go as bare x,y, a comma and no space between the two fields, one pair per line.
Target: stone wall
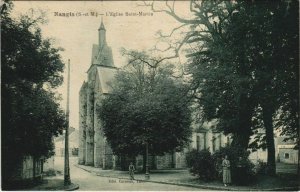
210,140
180,160
28,169
82,124
166,161
89,160
98,140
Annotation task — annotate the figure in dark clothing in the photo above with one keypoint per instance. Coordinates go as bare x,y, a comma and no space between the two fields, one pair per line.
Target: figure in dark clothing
240,180
131,171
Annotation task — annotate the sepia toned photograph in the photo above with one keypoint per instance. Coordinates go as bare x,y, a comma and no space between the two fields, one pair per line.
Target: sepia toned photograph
187,95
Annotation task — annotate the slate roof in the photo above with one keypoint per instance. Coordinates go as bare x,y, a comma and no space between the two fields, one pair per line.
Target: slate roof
281,142
106,75
62,136
101,26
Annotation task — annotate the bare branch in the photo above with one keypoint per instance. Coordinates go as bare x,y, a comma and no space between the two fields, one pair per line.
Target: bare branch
173,5
191,6
164,50
175,29
172,13
167,4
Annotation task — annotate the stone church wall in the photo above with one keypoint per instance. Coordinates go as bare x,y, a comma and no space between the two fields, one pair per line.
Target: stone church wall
82,124
90,127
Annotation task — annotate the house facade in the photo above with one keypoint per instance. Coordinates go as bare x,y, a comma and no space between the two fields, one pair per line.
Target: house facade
26,172
286,152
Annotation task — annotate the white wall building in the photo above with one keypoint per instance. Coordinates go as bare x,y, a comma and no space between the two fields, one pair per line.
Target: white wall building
207,137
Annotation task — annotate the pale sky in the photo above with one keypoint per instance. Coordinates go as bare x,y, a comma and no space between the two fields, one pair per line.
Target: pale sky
76,34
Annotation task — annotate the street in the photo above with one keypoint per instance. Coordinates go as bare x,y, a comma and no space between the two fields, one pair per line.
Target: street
91,182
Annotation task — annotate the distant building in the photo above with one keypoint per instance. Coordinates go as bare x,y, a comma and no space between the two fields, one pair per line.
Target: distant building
59,143
207,137
48,164
286,152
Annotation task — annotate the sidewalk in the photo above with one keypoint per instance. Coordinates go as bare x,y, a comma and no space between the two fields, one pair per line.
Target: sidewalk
184,178
53,184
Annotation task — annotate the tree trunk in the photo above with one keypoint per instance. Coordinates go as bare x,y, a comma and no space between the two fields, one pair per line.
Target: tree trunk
298,170
34,167
298,148
240,140
144,162
242,135
268,123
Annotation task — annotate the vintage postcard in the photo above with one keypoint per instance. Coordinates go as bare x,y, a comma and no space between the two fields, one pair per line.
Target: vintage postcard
150,95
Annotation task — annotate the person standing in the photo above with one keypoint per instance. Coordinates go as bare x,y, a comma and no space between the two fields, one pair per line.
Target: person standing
218,166
226,171
242,171
131,171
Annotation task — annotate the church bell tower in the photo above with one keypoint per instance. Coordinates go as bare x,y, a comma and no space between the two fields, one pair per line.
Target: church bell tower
102,35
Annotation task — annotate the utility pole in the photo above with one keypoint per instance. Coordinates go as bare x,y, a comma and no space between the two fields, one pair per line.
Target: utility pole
67,180
147,175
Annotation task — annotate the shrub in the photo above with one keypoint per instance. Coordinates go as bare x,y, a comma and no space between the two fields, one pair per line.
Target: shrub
50,172
75,151
241,169
201,164
261,167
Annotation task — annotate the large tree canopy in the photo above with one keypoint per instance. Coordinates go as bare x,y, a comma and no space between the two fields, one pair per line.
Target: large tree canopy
146,105
245,66
31,67
250,64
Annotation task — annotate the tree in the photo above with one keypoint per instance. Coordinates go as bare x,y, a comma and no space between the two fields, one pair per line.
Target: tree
272,46
246,58
146,106
31,67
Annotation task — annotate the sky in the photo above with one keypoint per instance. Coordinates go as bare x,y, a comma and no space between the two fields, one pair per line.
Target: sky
77,33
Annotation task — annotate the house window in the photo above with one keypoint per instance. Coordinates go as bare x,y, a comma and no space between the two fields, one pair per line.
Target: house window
198,142
286,155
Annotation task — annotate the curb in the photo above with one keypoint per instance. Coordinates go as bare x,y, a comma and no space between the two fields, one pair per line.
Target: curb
198,185
163,182
193,185
72,187
284,189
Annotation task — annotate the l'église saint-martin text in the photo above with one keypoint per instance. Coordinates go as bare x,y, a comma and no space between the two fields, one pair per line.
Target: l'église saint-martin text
120,14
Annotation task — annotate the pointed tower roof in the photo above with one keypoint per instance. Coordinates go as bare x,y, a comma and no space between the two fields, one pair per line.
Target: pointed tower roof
101,25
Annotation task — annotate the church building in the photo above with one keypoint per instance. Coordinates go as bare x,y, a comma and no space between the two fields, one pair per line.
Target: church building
94,150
